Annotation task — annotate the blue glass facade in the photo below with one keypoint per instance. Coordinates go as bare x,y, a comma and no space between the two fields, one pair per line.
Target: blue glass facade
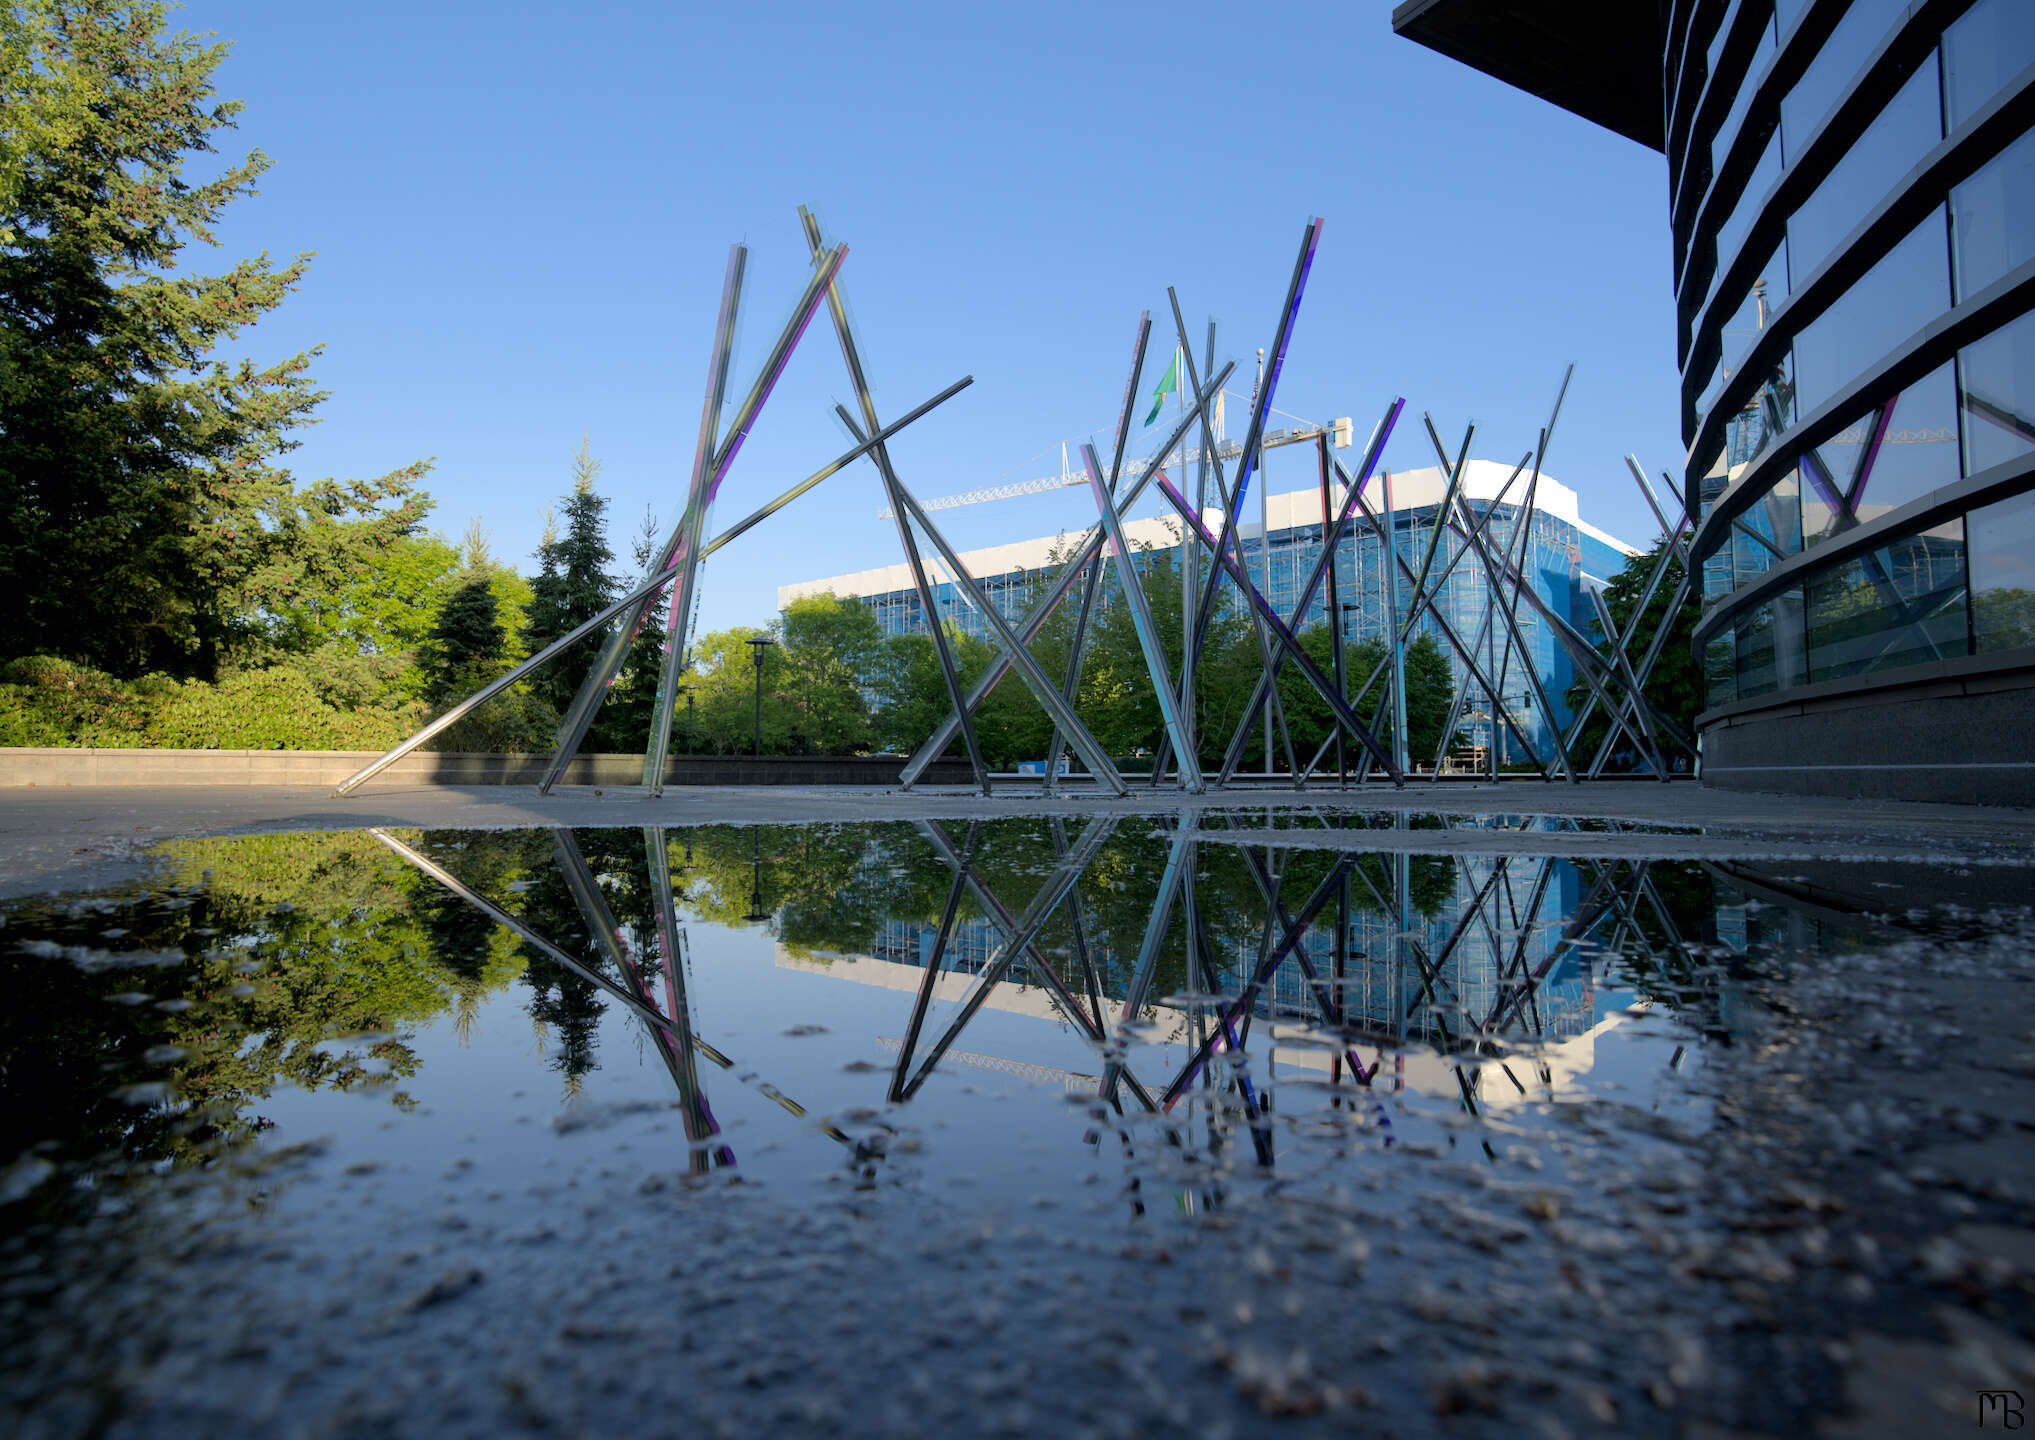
1558,557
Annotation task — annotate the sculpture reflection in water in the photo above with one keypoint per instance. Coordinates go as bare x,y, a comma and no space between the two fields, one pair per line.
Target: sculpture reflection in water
1341,954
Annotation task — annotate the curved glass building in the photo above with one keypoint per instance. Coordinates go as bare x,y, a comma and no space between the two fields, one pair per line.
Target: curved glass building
1851,193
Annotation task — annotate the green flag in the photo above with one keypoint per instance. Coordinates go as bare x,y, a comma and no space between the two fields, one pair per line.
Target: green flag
1168,386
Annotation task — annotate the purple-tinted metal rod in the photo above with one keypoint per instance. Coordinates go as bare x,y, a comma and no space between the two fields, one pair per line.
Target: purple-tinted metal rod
1331,544
1260,406
1872,454
594,689
1070,574
1279,631
1248,460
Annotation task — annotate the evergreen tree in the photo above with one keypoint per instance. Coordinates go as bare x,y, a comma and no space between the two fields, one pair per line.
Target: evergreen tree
467,645
623,726
1430,692
573,584
1675,688
144,521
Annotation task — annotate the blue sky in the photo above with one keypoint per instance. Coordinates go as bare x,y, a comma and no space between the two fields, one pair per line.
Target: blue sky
521,217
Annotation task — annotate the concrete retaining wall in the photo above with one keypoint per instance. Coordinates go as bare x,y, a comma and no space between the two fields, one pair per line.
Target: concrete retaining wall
54,767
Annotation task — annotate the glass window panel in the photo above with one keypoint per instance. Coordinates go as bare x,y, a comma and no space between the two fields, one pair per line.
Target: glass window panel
1992,218
2003,574
1748,84
1769,647
1745,324
1828,474
1776,526
1787,12
1717,38
1989,45
1763,536
1916,454
1720,669
1731,234
1997,376
1903,133
1830,74
1901,605
1907,289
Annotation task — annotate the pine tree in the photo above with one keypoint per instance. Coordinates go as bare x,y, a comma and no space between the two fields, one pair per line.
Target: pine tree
144,521
467,644
623,726
573,584
1675,687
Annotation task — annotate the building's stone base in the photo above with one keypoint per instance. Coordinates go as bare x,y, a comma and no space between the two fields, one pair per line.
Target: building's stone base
1941,736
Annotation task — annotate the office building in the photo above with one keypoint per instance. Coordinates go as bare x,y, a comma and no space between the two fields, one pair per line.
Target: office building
1852,209
1563,554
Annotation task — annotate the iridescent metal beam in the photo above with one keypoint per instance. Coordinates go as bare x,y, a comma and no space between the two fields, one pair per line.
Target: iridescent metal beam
1029,670
1141,618
1288,642
1289,313
851,356
635,599
1211,456
572,730
1070,575
1071,688
690,522
1332,541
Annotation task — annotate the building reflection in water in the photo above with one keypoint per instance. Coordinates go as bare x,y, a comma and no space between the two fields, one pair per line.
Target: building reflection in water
1200,963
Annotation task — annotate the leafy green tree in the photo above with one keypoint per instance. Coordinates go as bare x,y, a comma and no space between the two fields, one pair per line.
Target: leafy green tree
386,609
1118,703
41,103
831,647
145,523
1675,689
911,698
724,690
2003,619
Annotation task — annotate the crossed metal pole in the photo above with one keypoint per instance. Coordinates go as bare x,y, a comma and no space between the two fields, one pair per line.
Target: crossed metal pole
1614,682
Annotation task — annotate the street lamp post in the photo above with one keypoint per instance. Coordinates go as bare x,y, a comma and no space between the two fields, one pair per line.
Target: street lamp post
756,910
756,648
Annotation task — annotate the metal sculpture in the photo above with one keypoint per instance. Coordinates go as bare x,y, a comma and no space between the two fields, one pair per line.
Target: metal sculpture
1461,539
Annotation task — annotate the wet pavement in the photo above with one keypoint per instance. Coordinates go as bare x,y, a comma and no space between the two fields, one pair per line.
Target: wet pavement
1114,1121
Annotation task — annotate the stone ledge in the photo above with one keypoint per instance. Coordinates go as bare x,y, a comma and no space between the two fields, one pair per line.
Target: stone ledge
45,767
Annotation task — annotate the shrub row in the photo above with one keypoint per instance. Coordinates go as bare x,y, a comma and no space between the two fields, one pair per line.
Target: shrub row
51,702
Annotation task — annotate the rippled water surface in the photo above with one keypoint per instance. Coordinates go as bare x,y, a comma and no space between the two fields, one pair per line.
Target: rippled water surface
405,1043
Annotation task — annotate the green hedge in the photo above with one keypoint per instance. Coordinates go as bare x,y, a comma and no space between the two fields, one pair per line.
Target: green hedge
50,702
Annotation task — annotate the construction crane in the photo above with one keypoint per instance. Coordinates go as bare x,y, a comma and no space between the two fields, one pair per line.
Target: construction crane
1338,431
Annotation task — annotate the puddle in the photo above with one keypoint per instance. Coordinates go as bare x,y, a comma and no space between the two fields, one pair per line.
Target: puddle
457,1045
784,1004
